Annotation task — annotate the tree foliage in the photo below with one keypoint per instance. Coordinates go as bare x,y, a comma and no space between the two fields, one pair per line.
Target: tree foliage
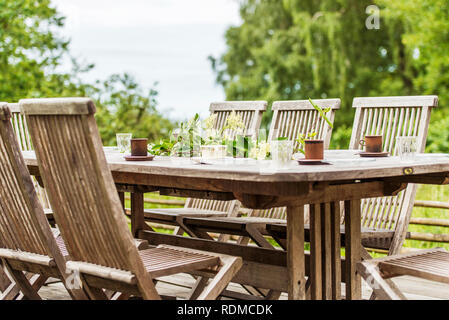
31,53
296,49
123,106
29,47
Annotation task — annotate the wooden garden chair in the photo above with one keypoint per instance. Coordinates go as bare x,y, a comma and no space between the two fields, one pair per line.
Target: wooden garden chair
251,112
27,243
5,282
290,118
89,213
385,220
432,264
390,117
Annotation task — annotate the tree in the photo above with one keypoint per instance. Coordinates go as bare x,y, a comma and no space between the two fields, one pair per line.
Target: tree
29,47
31,52
426,39
123,106
295,49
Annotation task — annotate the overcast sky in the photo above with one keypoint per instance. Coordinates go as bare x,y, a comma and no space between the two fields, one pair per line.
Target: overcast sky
167,41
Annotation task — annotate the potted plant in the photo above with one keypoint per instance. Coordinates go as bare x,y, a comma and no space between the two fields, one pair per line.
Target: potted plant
313,149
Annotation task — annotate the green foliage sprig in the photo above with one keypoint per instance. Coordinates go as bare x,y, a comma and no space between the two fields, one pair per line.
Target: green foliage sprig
188,139
303,137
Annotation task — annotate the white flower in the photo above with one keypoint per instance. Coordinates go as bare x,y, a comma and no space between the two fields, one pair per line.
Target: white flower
260,152
234,122
210,121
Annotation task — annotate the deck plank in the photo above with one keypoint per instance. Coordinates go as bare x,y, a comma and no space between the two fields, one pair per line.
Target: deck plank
178,285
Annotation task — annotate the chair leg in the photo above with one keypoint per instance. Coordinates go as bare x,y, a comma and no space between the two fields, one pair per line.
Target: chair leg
95,293
192,232
26,288
12,292
119,296
243,240
260,240
4,280
257,237
178,231
36,280
197,288
230,267
365,254
224,237
273,295
384,289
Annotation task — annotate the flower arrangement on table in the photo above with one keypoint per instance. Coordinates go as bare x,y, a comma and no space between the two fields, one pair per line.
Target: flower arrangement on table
196,138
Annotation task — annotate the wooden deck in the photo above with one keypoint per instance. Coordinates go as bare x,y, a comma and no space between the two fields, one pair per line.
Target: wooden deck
179,285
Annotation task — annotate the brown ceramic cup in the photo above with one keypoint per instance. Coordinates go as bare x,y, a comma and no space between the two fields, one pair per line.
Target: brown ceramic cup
372,143
314,149
139,147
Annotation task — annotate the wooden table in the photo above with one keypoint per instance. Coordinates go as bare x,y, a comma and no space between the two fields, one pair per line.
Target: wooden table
347,178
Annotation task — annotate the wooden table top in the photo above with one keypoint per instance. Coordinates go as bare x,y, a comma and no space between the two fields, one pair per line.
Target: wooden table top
341,165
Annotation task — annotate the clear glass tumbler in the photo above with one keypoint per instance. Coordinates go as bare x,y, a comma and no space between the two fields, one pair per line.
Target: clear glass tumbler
281,152
213,151
406,148
124,142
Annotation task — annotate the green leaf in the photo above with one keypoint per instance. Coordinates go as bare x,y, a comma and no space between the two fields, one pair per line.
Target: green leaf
321,113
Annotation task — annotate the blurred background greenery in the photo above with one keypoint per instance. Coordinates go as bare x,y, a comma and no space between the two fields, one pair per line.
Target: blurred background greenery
294,49
31,52
284,49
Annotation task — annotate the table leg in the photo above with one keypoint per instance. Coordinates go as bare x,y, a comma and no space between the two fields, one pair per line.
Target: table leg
326,242
325,259
137,214
295,253
336,250
315,252
353,249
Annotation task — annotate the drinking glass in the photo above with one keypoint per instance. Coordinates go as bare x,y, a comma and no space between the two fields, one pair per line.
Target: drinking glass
124,142
406,148
213,151
281,152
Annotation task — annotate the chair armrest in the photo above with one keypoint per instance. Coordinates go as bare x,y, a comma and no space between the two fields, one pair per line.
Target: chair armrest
141,244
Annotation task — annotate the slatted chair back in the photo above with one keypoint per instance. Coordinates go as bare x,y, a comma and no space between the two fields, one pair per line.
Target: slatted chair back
19,224
81,189
251,113
20,128
25,234
292,118
391,117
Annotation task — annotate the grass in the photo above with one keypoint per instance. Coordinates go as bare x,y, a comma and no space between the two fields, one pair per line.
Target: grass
425,192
